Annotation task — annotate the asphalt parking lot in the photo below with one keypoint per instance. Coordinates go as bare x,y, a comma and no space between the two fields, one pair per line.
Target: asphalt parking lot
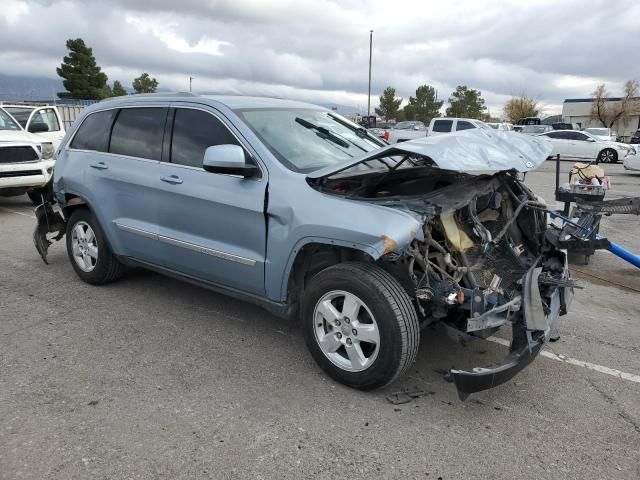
152,378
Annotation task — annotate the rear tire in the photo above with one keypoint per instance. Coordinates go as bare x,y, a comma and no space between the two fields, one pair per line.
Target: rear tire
389,332
608,155
88,250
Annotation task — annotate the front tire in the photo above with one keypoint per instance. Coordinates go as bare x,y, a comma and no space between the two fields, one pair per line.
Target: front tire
88,251
359,325
608,155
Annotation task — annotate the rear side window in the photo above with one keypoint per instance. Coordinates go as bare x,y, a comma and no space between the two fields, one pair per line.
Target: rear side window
193,132
442,126
138,132
93,134
464,125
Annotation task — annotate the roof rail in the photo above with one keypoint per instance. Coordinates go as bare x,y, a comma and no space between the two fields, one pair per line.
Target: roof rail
156,94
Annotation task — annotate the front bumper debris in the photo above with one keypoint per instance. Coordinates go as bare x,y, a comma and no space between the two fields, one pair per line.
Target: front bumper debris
49,221
530,334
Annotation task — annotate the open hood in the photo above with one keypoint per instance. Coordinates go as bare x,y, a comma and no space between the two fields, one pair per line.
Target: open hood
476,150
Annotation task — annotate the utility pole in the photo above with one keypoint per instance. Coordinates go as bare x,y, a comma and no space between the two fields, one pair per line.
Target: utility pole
190,80
369,98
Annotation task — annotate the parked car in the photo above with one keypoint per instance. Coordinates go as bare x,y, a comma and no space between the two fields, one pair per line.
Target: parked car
26,160
442,125
632,162
44,121
635,138
535,129
404,131
605,134
573,145
297,209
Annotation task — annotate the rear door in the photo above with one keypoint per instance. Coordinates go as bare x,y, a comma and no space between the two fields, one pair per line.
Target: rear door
212,226
118,153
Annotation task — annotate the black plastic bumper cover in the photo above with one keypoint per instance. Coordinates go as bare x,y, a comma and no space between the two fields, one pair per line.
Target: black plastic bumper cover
525,347
485,378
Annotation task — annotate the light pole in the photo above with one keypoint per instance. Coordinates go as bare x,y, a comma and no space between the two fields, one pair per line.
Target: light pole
369,98
190,80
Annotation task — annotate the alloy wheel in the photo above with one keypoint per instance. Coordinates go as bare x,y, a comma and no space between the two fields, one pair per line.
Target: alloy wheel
346,331
84,246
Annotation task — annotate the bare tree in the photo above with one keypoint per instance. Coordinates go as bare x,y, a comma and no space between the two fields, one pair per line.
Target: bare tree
607,112
521,107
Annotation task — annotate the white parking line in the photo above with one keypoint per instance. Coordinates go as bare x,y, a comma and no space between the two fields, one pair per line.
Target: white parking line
572,361
17,212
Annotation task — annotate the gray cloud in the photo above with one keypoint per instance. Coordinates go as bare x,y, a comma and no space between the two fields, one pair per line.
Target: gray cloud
318,50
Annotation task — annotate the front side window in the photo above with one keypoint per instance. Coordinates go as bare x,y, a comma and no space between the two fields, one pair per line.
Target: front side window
93,134
464,125
138,132
442,126
193,132
305,140
48,117
7,123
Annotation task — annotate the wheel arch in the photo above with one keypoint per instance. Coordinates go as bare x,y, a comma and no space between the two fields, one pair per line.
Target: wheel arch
312,255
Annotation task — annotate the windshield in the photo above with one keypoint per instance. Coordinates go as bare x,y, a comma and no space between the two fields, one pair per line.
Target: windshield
20,114
307,140
598,131
7,123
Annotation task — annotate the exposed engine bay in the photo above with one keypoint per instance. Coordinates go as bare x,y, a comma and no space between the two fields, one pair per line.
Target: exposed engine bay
482,259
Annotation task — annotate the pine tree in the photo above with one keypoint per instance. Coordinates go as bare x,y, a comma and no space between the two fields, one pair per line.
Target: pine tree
118,90
389,105
466,102
424,106
145,84
82,77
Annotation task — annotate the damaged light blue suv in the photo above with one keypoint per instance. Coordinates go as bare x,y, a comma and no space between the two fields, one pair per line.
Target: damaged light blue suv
300,210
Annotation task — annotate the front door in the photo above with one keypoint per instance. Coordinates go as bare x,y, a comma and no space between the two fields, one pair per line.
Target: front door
46,116
212,226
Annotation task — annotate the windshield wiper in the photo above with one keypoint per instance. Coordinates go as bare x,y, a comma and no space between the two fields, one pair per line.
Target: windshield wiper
322,132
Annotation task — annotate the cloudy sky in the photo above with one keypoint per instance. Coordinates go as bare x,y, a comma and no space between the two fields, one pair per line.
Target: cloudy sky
317,50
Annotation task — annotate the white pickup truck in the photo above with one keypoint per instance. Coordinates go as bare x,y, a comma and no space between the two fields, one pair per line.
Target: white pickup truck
442,125
42,120
26,160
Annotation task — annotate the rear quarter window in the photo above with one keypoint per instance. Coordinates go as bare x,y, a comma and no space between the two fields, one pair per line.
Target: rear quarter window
93,134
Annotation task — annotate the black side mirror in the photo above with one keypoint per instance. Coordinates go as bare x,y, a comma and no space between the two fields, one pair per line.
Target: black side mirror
38,127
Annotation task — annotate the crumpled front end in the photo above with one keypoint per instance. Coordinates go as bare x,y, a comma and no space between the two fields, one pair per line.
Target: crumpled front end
483,262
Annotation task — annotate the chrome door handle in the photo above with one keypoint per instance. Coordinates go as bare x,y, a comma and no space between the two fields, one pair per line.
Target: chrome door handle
99,166
172,179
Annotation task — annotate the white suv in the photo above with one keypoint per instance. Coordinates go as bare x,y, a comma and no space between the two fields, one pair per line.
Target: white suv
26,160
